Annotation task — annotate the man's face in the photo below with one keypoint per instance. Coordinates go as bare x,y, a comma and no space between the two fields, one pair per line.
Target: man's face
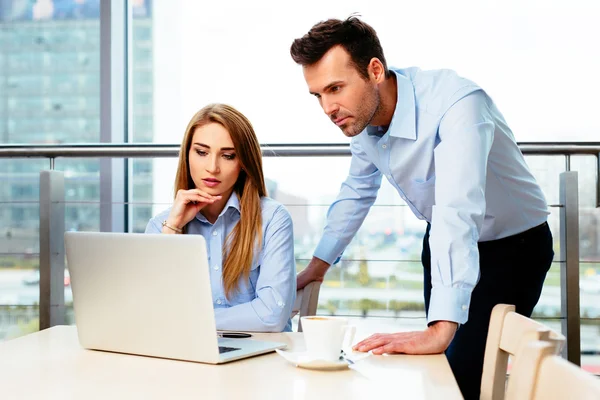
348,99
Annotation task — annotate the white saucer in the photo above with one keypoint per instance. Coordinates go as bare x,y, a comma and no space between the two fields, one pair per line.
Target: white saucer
302,359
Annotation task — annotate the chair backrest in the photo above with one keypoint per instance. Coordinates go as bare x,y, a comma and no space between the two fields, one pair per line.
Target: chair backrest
307,300
540,374
508,333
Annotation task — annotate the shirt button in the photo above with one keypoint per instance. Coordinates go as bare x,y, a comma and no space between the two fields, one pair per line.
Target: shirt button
384,146
215,233
389,176
216,267
219,301
280,304
464,307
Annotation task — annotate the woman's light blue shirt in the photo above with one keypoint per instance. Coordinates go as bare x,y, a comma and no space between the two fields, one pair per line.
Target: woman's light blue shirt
263,302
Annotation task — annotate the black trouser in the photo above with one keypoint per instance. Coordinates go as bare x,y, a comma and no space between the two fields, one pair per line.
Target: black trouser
513,270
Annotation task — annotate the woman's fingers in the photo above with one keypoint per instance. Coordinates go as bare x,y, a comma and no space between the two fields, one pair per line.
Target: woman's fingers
197,198
204,194
196,195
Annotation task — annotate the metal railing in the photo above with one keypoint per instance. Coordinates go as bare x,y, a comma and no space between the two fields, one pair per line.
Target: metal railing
142,150
52,208
276,149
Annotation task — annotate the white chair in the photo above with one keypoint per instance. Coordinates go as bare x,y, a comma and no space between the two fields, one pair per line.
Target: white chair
307,300
508,333
539,374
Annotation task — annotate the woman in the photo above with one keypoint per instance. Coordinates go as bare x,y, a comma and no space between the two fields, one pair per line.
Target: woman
220,194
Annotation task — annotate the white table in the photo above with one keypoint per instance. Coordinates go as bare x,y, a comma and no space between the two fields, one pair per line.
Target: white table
51,365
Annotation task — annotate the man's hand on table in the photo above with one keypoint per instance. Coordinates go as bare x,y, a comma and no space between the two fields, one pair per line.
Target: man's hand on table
433,340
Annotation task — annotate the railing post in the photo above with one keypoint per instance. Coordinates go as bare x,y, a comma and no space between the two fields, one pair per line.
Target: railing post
52,249
569,271
598,180
113,112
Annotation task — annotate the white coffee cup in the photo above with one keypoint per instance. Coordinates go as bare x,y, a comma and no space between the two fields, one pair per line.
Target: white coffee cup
324,336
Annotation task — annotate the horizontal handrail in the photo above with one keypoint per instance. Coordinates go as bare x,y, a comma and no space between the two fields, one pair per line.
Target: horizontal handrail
132,150
152,150
127,150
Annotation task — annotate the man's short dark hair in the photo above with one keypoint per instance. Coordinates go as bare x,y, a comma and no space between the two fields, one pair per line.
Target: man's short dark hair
358,38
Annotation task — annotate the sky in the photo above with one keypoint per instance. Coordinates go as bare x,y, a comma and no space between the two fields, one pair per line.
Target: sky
537,59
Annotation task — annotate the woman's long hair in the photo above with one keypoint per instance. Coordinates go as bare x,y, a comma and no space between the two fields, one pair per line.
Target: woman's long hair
244,241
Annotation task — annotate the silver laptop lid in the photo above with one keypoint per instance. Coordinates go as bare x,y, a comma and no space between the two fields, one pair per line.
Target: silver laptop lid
143,294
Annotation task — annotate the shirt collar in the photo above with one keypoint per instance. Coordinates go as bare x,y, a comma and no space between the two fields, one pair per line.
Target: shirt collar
376,130
233,202
403,123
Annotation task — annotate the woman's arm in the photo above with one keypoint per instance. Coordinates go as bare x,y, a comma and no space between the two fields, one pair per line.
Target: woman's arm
270,310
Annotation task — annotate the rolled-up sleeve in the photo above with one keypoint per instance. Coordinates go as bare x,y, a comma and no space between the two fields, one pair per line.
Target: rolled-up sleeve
271,309
466,135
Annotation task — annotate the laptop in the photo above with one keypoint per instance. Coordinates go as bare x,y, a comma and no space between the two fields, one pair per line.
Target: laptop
149,295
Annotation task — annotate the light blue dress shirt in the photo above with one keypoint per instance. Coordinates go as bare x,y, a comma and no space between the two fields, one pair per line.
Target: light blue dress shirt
264,302
452,157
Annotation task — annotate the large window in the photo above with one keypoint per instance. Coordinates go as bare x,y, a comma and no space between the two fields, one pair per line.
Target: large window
534,58
50,94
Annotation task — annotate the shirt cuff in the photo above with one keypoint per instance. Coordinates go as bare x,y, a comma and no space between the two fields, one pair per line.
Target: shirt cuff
449,304
329,249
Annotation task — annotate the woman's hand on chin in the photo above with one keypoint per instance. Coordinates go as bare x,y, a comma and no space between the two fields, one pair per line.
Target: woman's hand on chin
187,204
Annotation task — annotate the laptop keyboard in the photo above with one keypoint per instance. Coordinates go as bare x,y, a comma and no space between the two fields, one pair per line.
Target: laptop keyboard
224,349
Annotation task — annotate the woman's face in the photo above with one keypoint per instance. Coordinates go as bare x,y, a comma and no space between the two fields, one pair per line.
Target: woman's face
214,164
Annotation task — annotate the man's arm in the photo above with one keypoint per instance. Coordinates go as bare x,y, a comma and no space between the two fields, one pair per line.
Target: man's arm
466,136
345,215
314,271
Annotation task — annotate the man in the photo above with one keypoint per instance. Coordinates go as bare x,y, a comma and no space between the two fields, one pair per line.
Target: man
444,146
